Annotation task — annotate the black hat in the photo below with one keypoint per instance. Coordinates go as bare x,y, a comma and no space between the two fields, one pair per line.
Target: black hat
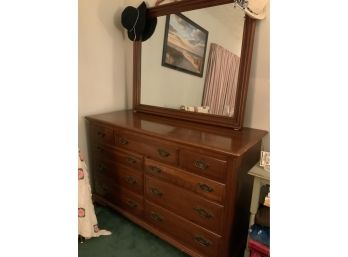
138,25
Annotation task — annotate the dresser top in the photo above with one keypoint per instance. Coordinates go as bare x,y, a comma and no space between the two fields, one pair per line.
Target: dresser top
212,137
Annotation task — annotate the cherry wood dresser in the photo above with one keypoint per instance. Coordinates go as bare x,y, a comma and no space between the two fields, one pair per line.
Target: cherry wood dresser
185,182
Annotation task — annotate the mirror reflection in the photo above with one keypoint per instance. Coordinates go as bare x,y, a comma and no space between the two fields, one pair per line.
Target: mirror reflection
178,39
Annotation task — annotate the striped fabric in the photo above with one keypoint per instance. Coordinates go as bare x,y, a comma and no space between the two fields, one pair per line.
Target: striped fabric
221,81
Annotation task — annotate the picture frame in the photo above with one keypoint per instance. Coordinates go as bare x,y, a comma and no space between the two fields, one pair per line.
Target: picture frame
184,45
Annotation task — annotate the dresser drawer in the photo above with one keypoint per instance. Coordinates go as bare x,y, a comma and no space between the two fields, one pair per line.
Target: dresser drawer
129,201
104,187
184,203
132,160
148,146
129,159
102,134
204,165
103,152
121,175
119,196
208,188
203,241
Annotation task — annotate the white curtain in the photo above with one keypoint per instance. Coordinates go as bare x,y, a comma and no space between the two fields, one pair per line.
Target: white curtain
221,81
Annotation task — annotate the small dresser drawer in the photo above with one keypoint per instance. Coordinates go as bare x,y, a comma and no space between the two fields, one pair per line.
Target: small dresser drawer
208,188
203,241
119,196
204,165
184,203
103,134
148,146
121,175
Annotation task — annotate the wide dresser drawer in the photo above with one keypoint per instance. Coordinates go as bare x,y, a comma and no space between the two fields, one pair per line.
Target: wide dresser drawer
205,165
120,175
127,158
185,203
202,240
207,188
119,196
149,147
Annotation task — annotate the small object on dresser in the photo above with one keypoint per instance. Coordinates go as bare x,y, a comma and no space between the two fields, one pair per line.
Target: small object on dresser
265,160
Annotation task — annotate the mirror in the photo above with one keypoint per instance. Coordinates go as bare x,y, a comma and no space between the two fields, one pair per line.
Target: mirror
196,64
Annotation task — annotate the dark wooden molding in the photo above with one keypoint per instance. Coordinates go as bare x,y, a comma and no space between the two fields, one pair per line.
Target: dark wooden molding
235,122
184,6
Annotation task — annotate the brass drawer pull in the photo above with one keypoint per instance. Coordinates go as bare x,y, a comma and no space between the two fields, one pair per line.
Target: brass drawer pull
200,164
101,168
154,169
101,134
130,180
103,189
202,241
123,141
100,149
131,204
205,188
203,213
155,191
163,153
156,217
131,160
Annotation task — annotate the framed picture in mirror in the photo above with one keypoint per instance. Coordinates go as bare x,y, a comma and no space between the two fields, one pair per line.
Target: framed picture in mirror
184,46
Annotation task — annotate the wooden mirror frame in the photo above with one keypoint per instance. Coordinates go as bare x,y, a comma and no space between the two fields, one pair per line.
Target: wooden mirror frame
235,122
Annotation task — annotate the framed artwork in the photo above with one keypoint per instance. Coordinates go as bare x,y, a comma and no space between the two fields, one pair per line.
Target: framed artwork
184,46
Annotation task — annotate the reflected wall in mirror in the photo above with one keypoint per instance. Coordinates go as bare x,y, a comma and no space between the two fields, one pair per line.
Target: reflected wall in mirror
216,89
219,96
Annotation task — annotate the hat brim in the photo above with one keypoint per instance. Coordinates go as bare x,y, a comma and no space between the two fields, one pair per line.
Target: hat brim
135,34
258,16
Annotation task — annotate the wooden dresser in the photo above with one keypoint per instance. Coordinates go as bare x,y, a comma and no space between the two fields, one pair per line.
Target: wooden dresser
185,182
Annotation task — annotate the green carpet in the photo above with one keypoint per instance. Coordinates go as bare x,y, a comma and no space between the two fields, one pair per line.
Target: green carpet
127,239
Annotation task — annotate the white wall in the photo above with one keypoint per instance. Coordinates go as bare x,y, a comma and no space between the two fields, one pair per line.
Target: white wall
102,71
258,101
